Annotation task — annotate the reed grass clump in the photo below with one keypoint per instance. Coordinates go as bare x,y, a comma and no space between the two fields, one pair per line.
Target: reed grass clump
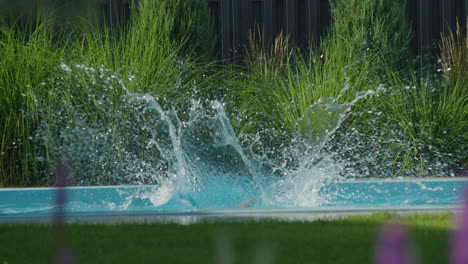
417,122
440,107
26,60
436,115
454,57
158,52
152,55
271,89
414,124
147,47
365,36
282,82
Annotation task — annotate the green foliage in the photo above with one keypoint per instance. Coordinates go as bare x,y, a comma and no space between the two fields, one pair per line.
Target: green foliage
166,50
418,122
281,83
146,48
415,127
432,113
381,25
25,62
274,99
153,53
364,36
414,124
193,18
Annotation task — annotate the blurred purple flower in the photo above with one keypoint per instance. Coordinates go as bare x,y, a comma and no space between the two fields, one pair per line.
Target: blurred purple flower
63,255
62,174
459,238
393,245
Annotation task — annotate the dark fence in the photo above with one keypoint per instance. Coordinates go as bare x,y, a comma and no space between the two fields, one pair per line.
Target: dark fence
303,20
307,20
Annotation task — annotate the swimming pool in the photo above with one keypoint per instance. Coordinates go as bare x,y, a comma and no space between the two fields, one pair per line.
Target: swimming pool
143,202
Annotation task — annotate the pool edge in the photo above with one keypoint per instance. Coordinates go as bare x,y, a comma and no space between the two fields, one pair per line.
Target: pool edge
203,216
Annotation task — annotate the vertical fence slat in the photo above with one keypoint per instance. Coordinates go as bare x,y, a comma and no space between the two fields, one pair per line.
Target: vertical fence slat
269,23
464,18
465,13
226,32
447,17
313,20
424,20
291,19
235,25
247,24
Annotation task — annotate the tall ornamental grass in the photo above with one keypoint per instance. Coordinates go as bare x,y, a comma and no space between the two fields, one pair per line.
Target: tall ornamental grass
435,120
271,92
50,72
156,47
154,54
282,82
362,36
26,60
417,125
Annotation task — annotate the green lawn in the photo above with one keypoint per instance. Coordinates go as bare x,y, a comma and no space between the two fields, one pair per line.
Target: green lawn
350,240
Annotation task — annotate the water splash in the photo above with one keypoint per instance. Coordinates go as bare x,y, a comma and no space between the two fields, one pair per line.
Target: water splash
115,136
322,119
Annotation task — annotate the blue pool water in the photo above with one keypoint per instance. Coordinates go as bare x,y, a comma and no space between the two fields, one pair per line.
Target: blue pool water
349,195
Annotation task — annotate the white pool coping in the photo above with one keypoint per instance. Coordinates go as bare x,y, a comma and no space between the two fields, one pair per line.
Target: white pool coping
226,215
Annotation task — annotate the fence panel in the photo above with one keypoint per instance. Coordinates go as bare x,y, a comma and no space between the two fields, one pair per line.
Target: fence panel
306,21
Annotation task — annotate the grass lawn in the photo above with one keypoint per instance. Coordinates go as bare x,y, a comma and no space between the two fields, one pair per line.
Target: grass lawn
349,240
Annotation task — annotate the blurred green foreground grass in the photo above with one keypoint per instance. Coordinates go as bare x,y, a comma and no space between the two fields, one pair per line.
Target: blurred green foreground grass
347,240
